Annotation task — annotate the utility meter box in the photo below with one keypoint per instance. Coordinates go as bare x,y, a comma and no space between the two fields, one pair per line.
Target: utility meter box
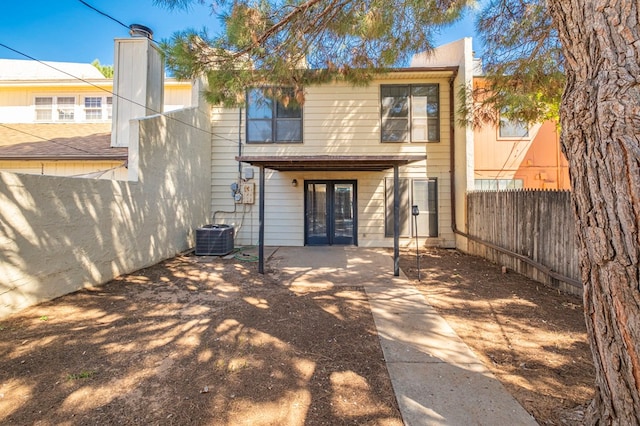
248,190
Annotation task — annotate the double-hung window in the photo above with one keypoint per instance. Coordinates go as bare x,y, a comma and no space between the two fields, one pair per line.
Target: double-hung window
51,108
66,108
93,108
410,113
109,107
44,108
271,120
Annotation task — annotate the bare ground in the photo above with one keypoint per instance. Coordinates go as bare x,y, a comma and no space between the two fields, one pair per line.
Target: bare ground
204,341
532,337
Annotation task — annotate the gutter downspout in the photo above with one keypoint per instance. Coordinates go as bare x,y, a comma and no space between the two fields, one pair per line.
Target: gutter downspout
239,142
452,156
454,225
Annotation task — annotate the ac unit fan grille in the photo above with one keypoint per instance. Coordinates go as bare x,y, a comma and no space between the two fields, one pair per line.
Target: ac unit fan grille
214,240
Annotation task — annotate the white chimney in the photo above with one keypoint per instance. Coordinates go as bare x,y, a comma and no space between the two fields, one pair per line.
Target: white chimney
138,83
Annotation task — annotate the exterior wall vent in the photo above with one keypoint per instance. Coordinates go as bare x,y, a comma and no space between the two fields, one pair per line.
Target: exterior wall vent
214,240
137,30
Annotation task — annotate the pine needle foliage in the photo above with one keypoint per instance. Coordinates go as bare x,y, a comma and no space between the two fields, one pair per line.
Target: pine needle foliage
523,65
297,43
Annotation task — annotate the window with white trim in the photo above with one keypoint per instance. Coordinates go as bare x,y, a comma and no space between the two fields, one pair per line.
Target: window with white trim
93,108
66,108
410,113
52,108
44,108
498,184
109,102
73,108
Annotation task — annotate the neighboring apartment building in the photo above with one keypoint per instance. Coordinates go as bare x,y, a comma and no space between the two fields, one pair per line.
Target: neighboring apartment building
55,119
514,155
329,165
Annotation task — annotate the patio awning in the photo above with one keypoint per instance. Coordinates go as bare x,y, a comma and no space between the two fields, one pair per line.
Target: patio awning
324,163
361,163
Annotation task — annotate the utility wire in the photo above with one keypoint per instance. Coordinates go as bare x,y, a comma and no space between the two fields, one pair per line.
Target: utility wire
99,173
118,96
157,44
104,14
44,139
114,19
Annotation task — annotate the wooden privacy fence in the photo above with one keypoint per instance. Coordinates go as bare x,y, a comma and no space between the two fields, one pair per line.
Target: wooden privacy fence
529,231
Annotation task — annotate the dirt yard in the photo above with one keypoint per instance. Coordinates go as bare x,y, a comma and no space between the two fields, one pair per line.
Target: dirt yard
207,341
532,337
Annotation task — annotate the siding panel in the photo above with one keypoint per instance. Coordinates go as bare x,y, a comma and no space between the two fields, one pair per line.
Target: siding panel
337,120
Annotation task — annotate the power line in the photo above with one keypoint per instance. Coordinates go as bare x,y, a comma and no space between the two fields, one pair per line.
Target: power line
44,139
99,173
104,14
116,95
129,27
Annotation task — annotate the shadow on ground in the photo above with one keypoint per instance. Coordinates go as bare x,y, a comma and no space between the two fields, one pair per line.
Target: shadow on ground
533,338
196,341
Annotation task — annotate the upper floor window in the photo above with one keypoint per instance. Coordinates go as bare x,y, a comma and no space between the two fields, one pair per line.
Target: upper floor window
73,108
50,108
93,108
410,113
98,107
109,107
513,129
66,108
44,108
271,120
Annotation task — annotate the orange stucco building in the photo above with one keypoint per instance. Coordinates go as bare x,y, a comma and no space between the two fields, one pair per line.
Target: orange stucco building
513,155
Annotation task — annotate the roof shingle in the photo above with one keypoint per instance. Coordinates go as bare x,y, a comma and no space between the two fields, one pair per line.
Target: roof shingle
60,141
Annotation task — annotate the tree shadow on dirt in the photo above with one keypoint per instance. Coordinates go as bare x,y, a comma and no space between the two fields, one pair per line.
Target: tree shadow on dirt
193,341
532,337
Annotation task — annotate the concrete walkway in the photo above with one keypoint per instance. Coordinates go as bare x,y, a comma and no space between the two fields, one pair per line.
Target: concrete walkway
437,379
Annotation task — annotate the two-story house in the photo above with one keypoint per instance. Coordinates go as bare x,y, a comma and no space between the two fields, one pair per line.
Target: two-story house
333,165
55,119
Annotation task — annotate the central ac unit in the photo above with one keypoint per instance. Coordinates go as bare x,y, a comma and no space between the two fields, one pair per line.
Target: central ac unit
214,240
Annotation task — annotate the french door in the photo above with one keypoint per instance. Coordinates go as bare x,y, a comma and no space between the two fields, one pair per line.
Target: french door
330,212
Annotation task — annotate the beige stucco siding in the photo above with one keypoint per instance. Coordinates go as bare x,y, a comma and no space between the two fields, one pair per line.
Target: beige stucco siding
337,120
61,234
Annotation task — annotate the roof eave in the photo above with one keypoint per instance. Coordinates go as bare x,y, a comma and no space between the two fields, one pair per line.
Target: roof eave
360,163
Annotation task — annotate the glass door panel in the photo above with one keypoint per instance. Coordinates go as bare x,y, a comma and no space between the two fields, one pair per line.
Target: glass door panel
343,213
316,214
330,212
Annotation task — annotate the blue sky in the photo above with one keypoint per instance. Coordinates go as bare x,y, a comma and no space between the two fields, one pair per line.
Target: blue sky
68,31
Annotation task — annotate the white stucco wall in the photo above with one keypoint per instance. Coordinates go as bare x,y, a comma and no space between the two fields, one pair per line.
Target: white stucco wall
58,234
